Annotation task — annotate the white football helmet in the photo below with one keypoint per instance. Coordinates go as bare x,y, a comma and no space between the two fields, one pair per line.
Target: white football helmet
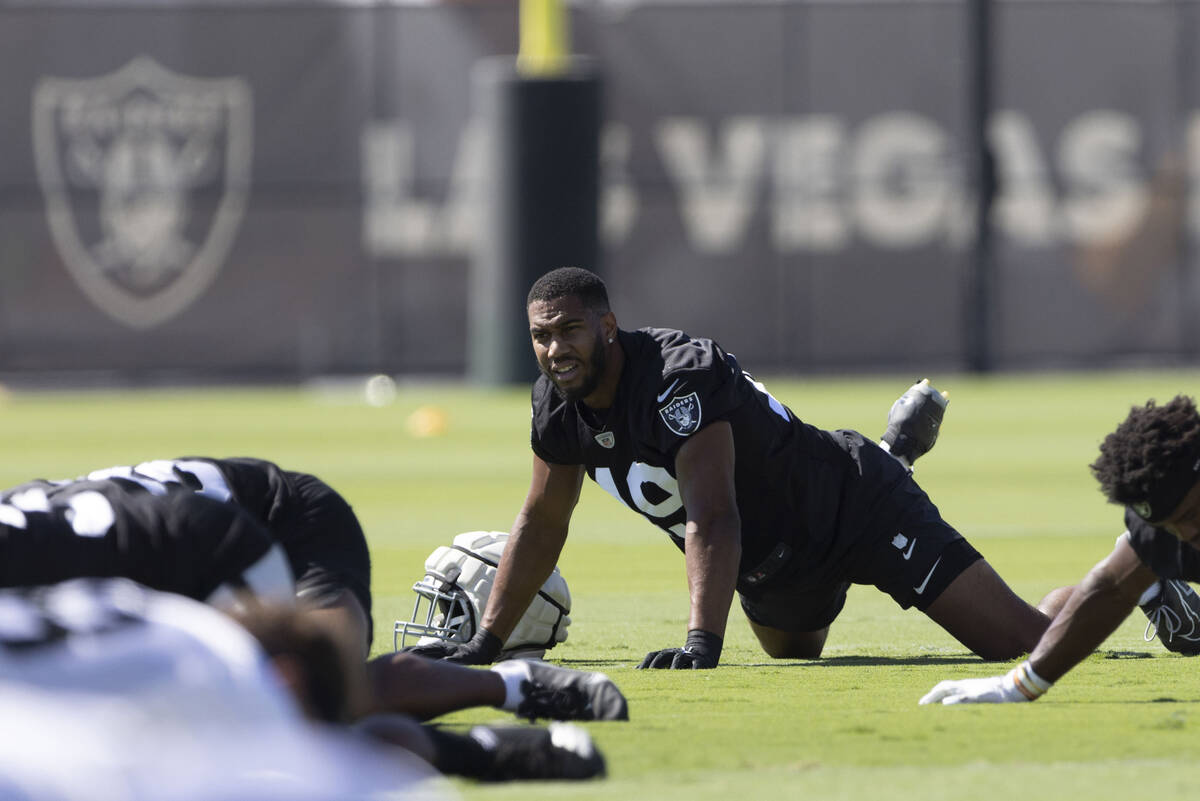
453,594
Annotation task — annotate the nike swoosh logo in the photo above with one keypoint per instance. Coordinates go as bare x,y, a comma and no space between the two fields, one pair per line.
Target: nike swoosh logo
925,583
908,554
668,391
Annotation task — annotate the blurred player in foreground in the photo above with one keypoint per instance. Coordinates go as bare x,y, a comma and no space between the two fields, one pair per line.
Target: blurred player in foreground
1150,465
116,692
183,527
785,514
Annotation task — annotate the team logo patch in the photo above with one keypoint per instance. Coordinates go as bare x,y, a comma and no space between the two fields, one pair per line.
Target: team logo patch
606,439
1143,509
146,174
682,415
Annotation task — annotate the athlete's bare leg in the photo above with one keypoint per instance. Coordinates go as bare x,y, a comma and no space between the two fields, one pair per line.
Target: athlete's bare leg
984,614
425,688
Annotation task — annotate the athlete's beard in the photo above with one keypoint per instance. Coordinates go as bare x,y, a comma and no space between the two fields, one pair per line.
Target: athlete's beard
596,366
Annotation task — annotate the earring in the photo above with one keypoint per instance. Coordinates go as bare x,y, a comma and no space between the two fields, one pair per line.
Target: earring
610,340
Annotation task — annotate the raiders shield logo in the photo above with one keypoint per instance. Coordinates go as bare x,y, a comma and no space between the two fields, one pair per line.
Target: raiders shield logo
145,175
606,439
682,415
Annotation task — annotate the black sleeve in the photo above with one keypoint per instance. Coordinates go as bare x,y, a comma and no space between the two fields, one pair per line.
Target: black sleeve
689,400
1162,551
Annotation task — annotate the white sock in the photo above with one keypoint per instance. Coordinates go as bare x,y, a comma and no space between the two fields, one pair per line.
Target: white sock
514,672
1150,594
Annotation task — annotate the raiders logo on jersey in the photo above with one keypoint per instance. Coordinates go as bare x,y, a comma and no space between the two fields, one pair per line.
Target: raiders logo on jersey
682,415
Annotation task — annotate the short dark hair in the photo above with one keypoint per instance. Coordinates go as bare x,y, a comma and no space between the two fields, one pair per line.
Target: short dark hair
574,282
1151,461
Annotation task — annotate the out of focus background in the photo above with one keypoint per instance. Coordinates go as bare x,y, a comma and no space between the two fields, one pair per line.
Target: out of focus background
269,191
331,212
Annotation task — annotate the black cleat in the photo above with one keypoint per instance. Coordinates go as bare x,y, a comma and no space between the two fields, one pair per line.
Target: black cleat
562,751
559,693
914,421
1174,617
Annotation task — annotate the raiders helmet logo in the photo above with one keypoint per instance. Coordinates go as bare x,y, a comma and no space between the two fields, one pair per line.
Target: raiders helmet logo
682,415
145,174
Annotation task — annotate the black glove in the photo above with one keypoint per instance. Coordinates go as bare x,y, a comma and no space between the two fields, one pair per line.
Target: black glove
702,651
482,649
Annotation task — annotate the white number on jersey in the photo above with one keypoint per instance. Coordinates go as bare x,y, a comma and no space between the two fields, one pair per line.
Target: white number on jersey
88,513
161,474
638,476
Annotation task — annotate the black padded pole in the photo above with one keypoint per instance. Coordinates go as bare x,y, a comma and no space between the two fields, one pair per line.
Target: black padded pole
540,203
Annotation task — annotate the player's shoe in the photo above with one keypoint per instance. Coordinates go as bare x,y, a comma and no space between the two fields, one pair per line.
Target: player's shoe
559,693
562,751
1174,617
914,421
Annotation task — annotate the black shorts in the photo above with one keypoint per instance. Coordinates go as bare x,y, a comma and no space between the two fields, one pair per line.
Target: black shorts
326,546
913,559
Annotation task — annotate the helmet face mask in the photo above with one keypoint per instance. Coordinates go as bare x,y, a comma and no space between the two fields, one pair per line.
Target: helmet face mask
445,608
452,597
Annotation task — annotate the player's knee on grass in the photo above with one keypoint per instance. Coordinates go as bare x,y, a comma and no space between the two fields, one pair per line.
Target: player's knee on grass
790,644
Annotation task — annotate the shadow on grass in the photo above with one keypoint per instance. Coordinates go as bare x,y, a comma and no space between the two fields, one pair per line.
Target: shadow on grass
864,661
830,661
840,661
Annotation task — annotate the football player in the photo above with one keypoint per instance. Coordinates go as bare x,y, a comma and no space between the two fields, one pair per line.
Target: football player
200,526
761,503
1151,466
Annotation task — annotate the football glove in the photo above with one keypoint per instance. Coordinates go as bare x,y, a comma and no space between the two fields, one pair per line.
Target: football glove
701,651
1018,685
482,649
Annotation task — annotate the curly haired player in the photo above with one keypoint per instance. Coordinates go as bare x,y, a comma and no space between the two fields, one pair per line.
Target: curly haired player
1150,465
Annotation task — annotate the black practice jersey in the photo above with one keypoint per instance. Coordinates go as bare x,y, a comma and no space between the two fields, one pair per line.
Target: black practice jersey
318,530
811,489
181,542
1161,551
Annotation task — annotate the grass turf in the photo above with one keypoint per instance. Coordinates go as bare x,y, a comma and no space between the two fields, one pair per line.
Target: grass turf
1010,471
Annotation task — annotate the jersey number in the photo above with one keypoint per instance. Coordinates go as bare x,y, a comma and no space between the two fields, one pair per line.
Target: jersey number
637,479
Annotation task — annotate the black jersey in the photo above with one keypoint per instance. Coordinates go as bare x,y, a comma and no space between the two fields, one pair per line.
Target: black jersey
1161,551
179,542
318,530
812,490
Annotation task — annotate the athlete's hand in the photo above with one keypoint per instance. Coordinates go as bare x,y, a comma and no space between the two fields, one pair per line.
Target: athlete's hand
702,651
482,649
1022,683
992,690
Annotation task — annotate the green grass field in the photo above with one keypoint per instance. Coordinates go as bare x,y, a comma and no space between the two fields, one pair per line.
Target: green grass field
1010,471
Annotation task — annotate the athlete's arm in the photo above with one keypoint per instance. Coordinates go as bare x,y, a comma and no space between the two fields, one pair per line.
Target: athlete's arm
534,544
704,469
1099,604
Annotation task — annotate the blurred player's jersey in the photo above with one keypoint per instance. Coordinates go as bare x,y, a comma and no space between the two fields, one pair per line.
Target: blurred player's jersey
319,532
112,692
809,489
183,543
